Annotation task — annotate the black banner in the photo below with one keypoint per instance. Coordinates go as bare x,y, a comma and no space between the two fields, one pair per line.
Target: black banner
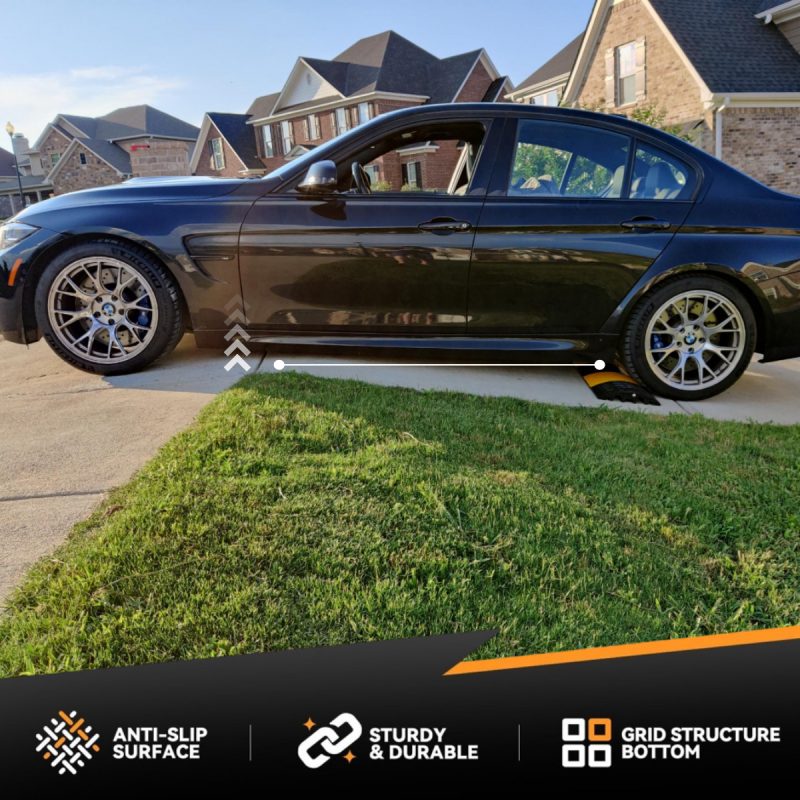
356,715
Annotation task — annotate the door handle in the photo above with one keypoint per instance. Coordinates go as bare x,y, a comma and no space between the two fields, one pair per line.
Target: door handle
445,226
646,224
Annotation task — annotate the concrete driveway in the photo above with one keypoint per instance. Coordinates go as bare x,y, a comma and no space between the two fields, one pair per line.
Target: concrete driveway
67,437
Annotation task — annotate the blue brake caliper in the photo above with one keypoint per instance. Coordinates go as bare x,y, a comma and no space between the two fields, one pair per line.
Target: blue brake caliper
656,342
144,316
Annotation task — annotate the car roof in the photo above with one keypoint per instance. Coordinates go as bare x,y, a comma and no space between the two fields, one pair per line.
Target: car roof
557,113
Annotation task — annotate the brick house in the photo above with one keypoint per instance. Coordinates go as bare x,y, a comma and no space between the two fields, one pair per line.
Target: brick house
8,174
323,98
76,152
726,71
34,187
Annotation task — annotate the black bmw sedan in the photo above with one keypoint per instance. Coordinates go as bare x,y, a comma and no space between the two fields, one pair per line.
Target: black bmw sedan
555,234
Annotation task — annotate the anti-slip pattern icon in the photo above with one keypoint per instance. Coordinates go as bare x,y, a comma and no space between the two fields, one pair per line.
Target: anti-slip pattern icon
332,741
575,732
67,743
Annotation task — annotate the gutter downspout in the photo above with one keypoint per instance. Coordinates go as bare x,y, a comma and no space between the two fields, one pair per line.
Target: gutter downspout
718,126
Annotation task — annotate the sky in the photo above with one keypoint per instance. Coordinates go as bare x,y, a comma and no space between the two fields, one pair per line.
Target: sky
186,57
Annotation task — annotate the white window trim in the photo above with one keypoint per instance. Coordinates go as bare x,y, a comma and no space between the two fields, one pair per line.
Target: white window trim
345,111
364,104
218,157
286,125
619,101
315,131
546,93
267,129
418,166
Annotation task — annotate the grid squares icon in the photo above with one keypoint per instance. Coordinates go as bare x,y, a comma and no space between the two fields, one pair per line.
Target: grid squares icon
586,742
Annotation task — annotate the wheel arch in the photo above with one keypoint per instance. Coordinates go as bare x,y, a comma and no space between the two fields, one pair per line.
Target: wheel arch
747,287
43,258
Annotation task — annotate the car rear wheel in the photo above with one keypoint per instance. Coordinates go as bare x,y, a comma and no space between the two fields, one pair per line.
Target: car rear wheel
691,339
108,308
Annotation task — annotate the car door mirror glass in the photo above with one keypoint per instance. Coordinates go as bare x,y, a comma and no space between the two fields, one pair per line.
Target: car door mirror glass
321,178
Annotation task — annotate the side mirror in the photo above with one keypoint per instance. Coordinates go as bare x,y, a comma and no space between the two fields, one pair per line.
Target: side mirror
321,178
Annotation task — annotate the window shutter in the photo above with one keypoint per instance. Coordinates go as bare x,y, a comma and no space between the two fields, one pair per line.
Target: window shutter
404,170
611,78
641,70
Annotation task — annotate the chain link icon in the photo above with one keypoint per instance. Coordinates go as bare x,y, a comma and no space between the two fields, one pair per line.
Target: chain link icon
330,740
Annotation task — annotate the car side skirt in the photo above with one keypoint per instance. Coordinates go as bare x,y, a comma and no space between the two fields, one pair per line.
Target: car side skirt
578,350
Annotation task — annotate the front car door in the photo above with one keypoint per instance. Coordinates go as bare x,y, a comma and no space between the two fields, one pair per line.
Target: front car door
576,212
392,262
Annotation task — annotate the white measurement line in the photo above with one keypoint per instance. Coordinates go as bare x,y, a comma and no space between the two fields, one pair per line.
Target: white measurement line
279,365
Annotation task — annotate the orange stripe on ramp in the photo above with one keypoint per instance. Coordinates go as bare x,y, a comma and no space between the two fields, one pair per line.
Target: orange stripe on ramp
628,650
598,378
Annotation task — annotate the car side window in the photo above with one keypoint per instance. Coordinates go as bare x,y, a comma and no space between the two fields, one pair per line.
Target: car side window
559,159
660,176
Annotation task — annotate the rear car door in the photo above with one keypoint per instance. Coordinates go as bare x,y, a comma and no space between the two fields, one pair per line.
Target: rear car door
575,214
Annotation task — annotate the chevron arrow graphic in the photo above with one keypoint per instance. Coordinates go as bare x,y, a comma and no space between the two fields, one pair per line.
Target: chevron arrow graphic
237,330
236,316
237,345
237,361
235,302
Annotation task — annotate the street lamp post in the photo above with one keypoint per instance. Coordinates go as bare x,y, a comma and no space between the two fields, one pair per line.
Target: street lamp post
10,132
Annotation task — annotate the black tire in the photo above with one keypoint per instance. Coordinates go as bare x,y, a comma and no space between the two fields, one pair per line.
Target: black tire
634,348
170,324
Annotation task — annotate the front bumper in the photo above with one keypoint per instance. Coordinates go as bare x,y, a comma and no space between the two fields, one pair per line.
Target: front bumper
11,327
17,322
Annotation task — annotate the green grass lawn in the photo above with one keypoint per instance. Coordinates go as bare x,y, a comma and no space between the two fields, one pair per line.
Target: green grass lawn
299,512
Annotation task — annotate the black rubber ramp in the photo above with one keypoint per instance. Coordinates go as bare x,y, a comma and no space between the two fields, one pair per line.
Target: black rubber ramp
612,385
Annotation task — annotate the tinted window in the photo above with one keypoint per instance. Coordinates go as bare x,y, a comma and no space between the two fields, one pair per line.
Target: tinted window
566,160
658,176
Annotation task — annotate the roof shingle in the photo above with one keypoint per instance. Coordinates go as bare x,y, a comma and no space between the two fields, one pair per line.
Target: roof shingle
560,64
6,163
385,62
731,49
238,135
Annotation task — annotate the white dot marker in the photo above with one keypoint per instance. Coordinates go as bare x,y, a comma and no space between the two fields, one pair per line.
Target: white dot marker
599,364
279,365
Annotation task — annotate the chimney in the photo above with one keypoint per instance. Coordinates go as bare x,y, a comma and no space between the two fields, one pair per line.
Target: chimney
21,144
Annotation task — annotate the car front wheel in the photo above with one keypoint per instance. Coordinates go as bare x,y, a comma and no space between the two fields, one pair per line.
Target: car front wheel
691,339
108,308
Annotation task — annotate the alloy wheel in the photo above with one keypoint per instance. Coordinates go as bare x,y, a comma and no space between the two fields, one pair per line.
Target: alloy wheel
695,339
102,309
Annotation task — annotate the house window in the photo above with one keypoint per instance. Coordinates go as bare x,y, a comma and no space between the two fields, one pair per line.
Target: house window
269,144
374,172
364,113
287,136
217,155
545,98
412,175
54,158
342,121
626,74
82,158
312,127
